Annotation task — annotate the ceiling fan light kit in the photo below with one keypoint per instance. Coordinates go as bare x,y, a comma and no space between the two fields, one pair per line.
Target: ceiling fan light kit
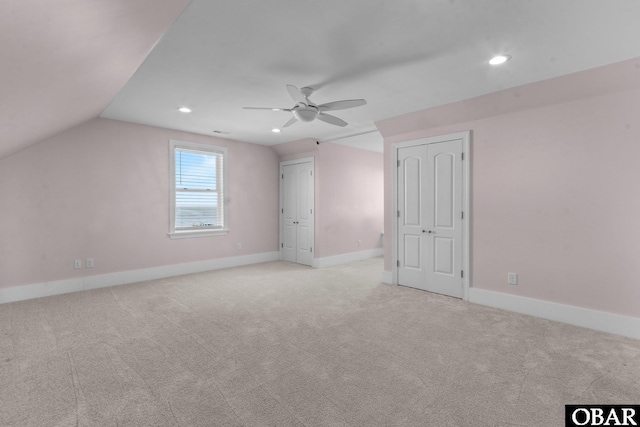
307,111
306,114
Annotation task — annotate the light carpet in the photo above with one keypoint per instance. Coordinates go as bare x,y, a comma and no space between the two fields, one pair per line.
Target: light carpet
280,344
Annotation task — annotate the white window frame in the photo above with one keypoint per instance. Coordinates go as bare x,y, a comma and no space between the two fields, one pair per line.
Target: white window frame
206,149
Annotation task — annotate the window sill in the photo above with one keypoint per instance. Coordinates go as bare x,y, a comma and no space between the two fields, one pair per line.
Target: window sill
198,233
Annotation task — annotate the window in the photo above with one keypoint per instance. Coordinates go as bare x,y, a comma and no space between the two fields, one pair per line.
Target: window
198,190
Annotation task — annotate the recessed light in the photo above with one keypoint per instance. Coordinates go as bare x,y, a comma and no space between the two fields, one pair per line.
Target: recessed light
275,130
184,109
499,59
277,109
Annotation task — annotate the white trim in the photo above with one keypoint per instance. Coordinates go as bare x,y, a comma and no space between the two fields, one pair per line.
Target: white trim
38,290
312,160
346,258
387,277
198,233
466,203
586,318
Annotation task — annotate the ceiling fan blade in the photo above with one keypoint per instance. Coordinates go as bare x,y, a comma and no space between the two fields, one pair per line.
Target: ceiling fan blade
342,105
266,108
291,121
328,118
295,94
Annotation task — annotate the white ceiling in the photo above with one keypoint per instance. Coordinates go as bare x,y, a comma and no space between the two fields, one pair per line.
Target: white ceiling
63,63
401,56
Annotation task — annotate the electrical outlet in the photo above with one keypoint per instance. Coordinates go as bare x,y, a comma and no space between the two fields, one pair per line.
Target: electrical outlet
359,243
77,263
239,246
512,278
89,263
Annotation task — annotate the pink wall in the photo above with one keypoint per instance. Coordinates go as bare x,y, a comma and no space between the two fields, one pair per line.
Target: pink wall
64,63
554,186
349,195
295,150
351,199
101,190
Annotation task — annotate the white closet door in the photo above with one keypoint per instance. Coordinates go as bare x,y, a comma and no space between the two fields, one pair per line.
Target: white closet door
430,217
304,213
289,213
297,213
411,216
444,218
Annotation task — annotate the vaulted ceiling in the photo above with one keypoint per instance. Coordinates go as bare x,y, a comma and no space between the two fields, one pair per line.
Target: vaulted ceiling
65,62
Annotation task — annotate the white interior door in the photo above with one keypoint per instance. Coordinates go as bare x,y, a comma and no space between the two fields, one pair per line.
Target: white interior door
297,215
444,218
304,220
412,267
289,242
430,183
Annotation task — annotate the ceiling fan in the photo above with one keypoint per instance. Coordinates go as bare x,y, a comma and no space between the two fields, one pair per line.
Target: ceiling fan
307,111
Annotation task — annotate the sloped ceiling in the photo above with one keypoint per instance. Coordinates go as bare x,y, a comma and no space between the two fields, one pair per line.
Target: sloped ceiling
401,56
62,62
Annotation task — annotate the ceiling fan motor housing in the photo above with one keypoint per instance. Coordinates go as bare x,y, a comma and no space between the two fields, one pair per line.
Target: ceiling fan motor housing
306,114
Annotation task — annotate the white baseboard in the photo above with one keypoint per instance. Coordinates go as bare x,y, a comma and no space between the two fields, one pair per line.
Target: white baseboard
37,290
345,258
592,319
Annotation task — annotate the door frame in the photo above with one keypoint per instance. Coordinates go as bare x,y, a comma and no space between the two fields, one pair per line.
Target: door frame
466,202
281,200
